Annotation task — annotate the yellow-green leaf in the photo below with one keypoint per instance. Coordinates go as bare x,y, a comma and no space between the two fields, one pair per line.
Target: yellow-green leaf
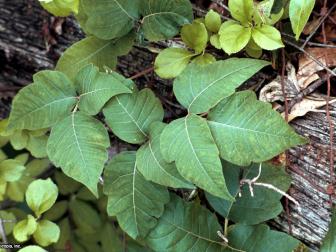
24,229
267,37
195,36
213,21
46,233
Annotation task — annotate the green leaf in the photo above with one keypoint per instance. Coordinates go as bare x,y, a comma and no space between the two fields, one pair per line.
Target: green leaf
23,229
162,18
265,204
109,19
56,211
195,36
9,220
37,146
85,216
260,238
78,145
19,139
213,21
171,62
36,167
267,37
242,10
299,12
329,242
215,42
32,248
135,201
44,103
66,184
10,170
110,239
129,115
152,165
41,195
91,50
189,143
234,37
253,50
46,233
96,88
60,8
185,227
204,59
247,130
200,88
65,235
16,190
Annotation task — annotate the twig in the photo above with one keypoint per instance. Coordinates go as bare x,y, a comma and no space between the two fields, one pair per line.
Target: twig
309,43
311,57
317,27
142,73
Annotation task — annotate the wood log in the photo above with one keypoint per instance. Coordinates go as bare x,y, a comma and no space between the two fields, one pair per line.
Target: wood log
32,40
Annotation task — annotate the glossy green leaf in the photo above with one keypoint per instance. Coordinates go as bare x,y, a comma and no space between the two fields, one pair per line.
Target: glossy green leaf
171,62
56,211
10,170
260,238
91,50
78,145
234,37
299,12
242,10
247,130
204,59
152,165
195,36
41,195
200,88
265,204
267,37
32,248
46,233
23,229
109,19
189,143
60,8
162,19
8,221
213,21
329,242
85,216
135,201
129,115
185,227
44,103
215,42
96,88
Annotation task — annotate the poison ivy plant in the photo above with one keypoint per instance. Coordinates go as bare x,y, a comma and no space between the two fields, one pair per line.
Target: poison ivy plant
117,198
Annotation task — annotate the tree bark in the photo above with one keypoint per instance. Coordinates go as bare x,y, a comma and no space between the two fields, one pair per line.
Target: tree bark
31,40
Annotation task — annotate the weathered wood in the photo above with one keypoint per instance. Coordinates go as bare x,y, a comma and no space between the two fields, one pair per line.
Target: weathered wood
24,31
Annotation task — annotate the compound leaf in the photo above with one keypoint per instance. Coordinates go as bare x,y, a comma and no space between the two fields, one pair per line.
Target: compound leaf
129,115
152,165
109,19
42,104
299,12
162,18
41,195
78,145
195,36
189,143
185,227
200,88
171,62
265,204
91,50
260,238
135,201
96,88
267,37
247,130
